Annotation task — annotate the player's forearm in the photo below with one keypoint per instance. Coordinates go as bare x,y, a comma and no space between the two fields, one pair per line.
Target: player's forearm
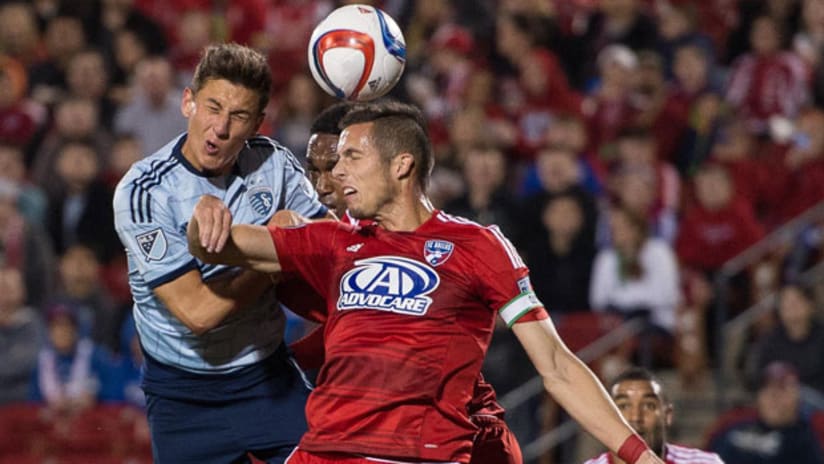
248,246
202,306
580,393
571,383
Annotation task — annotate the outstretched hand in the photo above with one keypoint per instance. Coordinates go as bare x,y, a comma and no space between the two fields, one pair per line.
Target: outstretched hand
212,221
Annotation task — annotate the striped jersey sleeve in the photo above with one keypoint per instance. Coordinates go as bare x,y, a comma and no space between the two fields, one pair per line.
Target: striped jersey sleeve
146,226
504,280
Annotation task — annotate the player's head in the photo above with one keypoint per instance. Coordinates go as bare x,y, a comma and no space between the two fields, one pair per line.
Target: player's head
384,150
643,403
224,105
321,155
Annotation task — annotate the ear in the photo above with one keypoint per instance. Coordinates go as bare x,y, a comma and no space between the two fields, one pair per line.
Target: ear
187,103
403,165
668,413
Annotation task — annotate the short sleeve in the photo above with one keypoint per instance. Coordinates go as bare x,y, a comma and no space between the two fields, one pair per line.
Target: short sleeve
146,227
300,196
503,280
309,251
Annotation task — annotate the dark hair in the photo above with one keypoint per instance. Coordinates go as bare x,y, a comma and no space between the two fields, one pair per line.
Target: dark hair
635,133
237,64
328,121
640,374
397,128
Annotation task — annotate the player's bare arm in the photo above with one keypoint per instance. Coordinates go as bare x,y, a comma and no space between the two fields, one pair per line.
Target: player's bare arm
214,241
574,386
200,305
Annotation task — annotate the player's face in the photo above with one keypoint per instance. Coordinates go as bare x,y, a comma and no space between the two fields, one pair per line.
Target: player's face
641,405
222,115
362,173
321,157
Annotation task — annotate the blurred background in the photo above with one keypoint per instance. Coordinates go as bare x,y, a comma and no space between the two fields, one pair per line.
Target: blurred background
658,163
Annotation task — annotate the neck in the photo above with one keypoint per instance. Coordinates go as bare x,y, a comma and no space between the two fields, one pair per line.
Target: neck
405,215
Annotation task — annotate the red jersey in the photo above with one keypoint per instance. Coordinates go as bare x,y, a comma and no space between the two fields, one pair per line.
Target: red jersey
410,317
675,454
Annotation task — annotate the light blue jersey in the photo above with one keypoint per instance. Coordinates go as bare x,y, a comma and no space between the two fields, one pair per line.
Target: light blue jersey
153,204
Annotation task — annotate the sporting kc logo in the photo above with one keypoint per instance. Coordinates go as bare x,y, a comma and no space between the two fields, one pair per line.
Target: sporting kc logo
262,200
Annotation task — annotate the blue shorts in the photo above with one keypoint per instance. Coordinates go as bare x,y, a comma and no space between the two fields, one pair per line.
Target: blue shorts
222,418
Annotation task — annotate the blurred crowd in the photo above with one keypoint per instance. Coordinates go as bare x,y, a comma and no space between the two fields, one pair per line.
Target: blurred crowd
629,148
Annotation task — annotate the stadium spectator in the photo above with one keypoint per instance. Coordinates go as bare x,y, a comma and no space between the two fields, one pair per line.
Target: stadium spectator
486,199
78,210
31,200
718,225
153,113
75,119
19,119
797,168
560,254
87,76
769,80
637,277
69,366
63,38
797,339
81,287
776,431
607,108
26,246
21,335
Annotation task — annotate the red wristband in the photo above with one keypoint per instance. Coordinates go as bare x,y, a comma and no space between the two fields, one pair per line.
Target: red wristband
632,449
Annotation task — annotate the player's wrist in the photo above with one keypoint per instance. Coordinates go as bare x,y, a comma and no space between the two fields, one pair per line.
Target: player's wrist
632,449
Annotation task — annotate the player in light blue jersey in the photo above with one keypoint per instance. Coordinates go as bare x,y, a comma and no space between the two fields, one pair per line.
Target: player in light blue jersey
219,382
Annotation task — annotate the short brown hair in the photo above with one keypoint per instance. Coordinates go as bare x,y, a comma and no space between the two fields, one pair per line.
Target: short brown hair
398,128
237,64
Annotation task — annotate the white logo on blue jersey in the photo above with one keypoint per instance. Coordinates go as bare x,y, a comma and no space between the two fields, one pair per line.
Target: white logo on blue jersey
388,283
262,200
153,244
436,252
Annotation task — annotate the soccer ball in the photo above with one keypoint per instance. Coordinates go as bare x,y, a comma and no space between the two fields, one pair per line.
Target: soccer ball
357,53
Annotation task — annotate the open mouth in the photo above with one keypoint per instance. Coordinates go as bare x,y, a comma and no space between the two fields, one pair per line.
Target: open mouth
349,191
211,148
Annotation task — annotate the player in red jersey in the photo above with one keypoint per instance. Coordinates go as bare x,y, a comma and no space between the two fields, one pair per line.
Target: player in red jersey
494,442
411,300
641,399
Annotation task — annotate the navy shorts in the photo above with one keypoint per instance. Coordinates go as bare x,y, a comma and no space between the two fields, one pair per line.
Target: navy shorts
222,419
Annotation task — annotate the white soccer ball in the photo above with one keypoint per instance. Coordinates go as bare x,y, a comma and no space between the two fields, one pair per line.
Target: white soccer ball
357,53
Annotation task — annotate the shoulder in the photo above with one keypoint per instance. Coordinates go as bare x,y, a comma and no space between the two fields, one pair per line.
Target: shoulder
678,454
483,239
149,174
265,147
261,152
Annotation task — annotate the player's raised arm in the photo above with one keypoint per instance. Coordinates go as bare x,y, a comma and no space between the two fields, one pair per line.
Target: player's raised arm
577,389
214,240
